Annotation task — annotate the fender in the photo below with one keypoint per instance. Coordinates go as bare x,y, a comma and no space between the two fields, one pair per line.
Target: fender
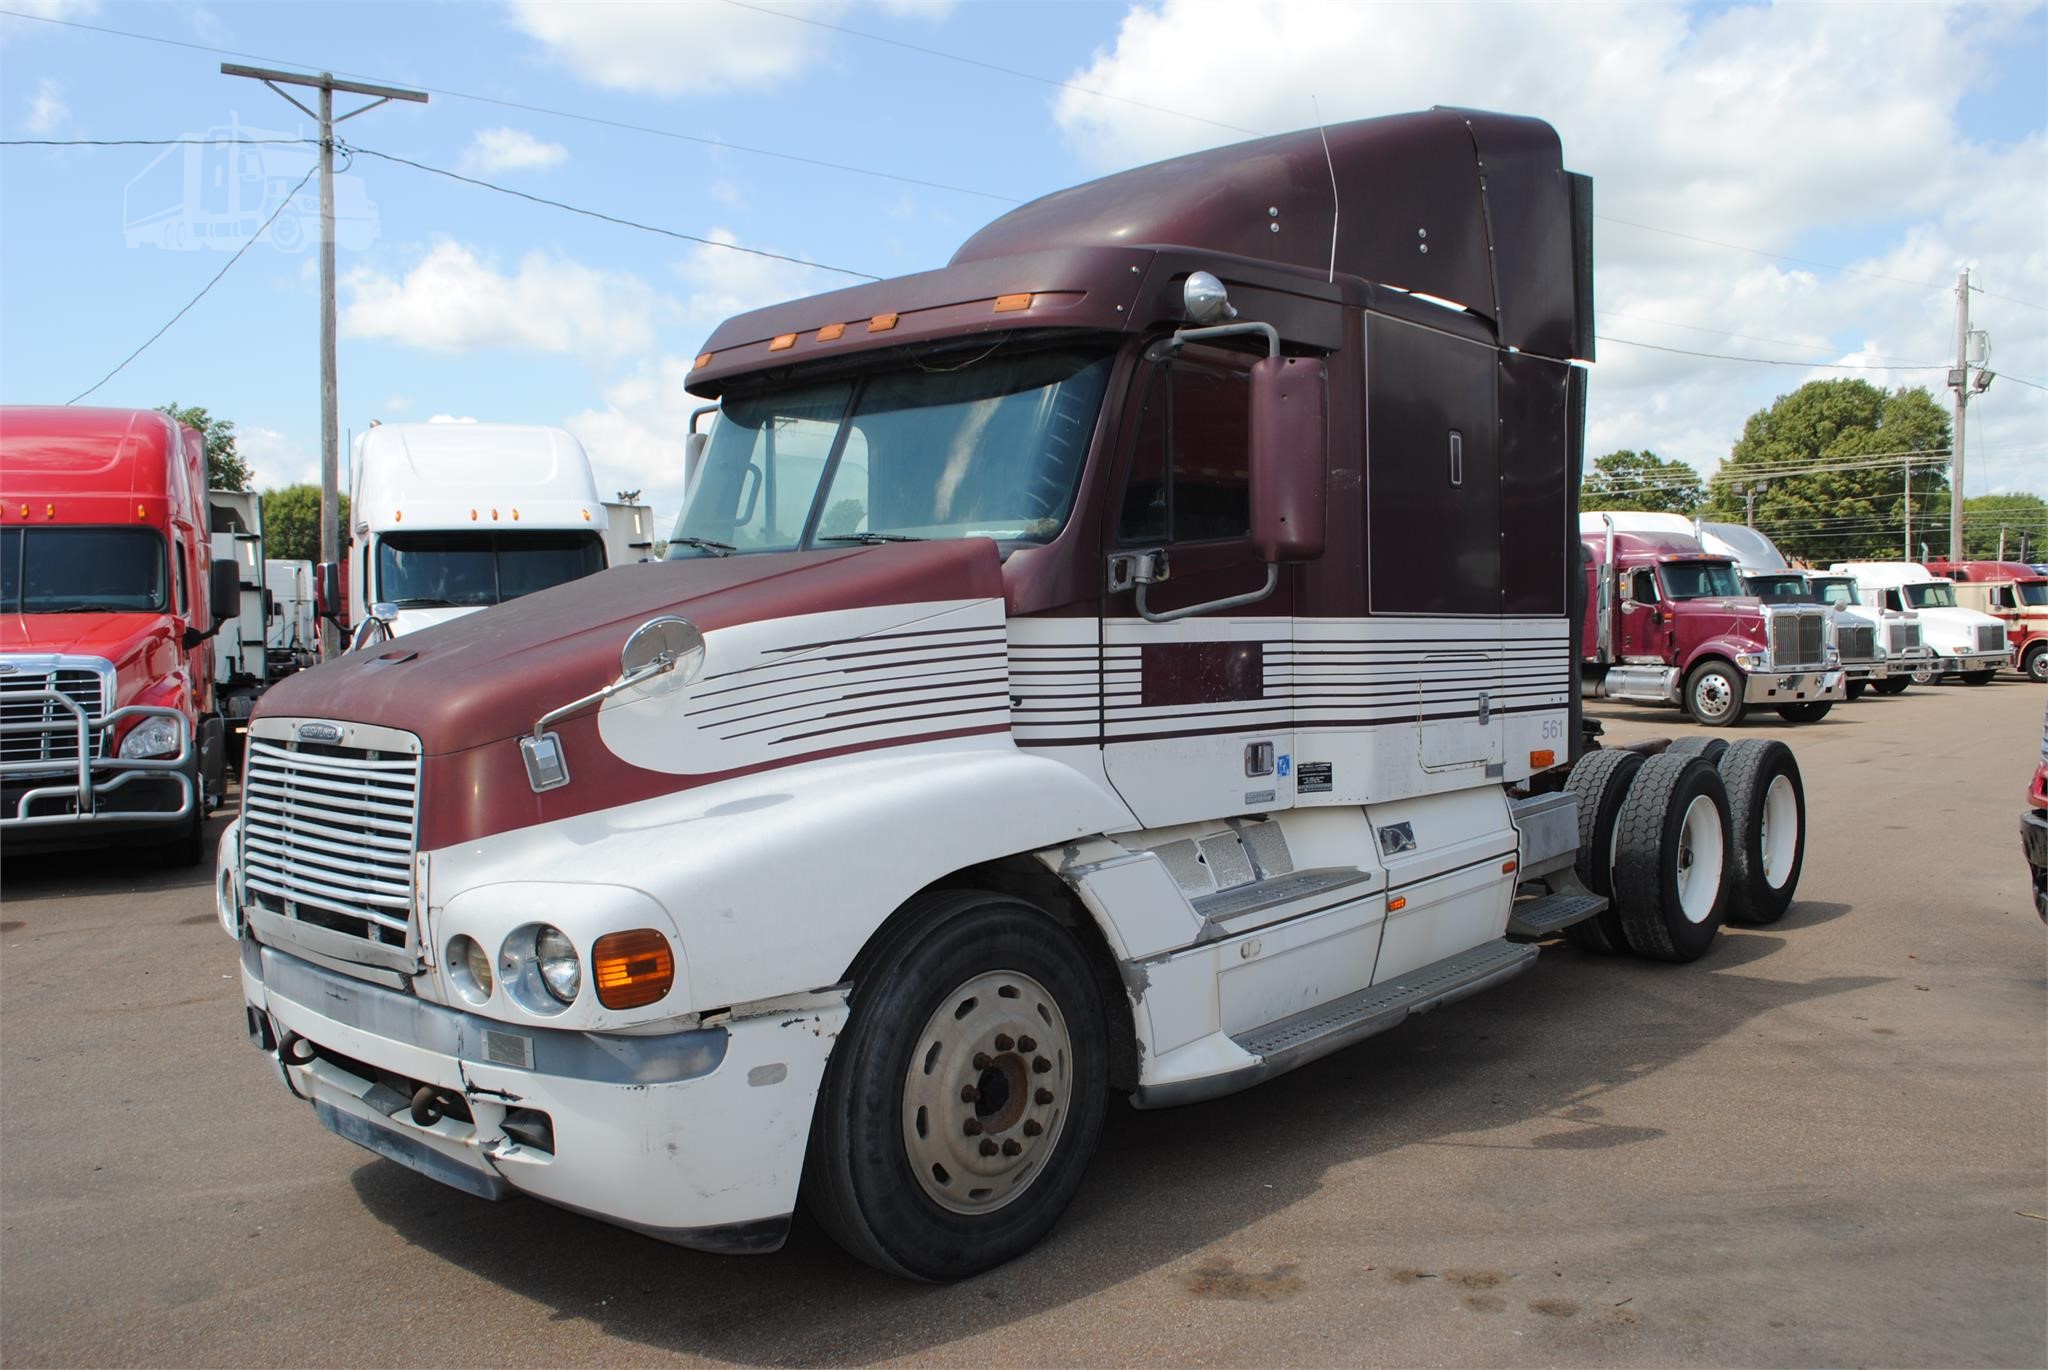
1720,648
775,881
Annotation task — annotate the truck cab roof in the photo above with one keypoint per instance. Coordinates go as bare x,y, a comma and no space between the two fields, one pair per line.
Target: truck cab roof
452,475
1977,572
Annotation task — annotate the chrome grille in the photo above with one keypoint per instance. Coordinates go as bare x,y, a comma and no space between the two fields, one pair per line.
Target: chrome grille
56,737
328,836
1796,640
1904,637
1857,641
1990,637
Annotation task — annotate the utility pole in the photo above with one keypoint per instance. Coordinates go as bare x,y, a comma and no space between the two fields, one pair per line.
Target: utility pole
330,420
1959,381
1908,554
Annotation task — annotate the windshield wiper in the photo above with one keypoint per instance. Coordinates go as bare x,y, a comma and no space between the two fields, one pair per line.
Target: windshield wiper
423,602
87,608
724,549
870,538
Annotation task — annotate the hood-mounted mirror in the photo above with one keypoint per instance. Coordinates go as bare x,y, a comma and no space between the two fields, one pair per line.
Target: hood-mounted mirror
662,656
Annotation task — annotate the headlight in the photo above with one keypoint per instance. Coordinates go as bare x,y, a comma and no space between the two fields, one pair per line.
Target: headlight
469,967
560,971
151,738
1753,661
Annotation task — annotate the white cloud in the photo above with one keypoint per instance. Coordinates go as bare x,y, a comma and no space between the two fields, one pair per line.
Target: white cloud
276,459
689,49
727,192
47,110
636,437
1782,128
57,9
207,24
453,301
511,149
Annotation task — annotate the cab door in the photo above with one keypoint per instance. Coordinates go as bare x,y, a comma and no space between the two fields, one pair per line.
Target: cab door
1197,710
1646,628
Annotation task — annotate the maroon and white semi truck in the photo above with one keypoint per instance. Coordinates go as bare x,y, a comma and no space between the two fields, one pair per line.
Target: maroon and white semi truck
1670,623
1136,658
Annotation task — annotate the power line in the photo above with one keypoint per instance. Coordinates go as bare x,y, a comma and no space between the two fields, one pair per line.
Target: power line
352,149
598,120
153,142
1698,328
991,66
1774,361
282,205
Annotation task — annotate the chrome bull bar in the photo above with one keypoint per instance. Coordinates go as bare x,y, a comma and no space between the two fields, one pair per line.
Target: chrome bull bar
96,776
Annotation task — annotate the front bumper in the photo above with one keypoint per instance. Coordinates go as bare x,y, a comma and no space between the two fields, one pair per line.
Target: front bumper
2034,840
86,792
695,1137
1862,672
1966,665
1792,687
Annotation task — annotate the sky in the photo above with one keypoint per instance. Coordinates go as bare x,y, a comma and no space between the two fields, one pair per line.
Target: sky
1778,183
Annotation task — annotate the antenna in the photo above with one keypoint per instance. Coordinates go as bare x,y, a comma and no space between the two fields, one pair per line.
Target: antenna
1334,203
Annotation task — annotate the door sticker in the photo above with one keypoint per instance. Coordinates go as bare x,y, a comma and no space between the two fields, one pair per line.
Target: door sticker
1314,778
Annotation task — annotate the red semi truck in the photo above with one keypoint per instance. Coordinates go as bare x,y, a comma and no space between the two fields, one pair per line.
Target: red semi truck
2014,592
1668,623
109,594
1133,659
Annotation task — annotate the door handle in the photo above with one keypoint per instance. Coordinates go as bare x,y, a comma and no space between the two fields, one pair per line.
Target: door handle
1457,458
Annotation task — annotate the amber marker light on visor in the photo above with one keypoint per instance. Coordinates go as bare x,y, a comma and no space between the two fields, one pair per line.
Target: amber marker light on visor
632,968
1009,304
782,342
703,360
832,332
881,323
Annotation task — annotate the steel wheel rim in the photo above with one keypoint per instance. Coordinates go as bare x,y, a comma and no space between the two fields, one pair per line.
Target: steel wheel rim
1713,695
1701,852
986,1092
1778,831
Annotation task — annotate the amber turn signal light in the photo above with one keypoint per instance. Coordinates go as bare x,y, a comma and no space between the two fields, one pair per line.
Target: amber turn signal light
632,969
1542,760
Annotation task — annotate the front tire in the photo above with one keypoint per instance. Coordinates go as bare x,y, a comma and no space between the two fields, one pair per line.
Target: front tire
1978,677
965,1095
1767,811
1891,685
2036,664
1854,689
1713,695
1671,858
1812,711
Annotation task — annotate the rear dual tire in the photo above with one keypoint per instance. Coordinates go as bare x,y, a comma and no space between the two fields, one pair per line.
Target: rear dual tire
1671,858
1767,848
1601,782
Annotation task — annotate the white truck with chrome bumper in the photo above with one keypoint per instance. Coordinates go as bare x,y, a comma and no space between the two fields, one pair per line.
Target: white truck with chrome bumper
689,1129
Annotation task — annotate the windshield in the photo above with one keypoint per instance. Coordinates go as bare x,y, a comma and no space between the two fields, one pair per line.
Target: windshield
987,448
1699,580
1934,595
1839,591
469,570
1780,589
81,570
2032,592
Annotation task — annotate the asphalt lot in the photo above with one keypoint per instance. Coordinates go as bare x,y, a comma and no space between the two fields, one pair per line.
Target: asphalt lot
1827,1143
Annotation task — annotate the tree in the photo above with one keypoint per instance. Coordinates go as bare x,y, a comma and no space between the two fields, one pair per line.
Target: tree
291,522
1863,438
1985,515
1641,480
225,469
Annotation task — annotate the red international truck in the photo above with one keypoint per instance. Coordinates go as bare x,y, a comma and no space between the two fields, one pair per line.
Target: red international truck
1669,623
109,595
1132,660
2014,592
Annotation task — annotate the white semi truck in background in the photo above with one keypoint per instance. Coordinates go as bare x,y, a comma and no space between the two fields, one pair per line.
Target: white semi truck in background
241,665
1963,643
450,518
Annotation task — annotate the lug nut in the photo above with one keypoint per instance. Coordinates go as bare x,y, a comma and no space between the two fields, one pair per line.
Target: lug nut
969,1094
1003,1042
1044,1096
1027,1044
988,1146
1032,1127
1040,1065
972,1127
1013,1147
982,1060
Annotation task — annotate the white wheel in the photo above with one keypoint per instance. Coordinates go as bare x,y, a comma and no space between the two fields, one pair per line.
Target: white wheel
1702,850
986,1095
1780,834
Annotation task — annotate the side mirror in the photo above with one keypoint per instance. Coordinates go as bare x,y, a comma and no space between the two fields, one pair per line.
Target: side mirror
327,589
693,457
1289,423
224,591
270,609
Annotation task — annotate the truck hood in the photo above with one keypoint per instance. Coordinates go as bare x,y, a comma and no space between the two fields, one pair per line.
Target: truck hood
124,639
489,675
1957,625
